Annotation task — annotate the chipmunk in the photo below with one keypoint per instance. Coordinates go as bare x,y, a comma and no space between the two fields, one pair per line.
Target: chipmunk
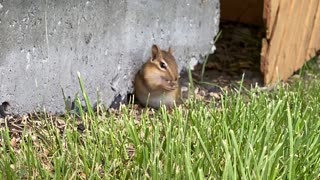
157,82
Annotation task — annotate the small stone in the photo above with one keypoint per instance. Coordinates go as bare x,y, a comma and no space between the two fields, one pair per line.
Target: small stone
61,121
34,137
24,119
196,90
202,93
215,95
46,152
295,76
184,89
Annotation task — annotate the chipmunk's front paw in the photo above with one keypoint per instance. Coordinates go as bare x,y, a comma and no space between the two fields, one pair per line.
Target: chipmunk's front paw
173,84
170,85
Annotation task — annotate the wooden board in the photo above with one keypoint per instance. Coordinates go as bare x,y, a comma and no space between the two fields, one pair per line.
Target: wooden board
247,11
292,38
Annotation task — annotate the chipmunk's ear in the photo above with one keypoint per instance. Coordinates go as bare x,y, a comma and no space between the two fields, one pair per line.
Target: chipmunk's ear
170,50
156,52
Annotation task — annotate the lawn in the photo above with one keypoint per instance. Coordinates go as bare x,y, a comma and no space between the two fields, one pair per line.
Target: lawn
247,134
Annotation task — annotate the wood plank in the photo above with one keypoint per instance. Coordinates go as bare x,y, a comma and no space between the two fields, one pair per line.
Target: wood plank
314,44
270,11
308,24
292,34
276,38
292,44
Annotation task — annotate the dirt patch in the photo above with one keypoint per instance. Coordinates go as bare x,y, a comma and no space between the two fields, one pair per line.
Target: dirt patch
236,60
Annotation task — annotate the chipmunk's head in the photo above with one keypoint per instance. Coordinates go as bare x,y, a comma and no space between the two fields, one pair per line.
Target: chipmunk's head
165,63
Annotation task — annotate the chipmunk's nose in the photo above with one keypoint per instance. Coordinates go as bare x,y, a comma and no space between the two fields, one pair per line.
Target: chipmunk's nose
173,78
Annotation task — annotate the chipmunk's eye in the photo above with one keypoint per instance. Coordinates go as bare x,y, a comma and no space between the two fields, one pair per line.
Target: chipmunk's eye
163,65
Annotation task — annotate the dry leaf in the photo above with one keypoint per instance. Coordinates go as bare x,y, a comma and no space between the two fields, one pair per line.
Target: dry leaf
215,95
13,142
83,175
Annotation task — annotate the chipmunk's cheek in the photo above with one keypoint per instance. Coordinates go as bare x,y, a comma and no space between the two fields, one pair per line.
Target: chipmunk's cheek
165,80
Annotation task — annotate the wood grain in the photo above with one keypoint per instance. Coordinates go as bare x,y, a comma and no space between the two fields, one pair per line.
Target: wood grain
293,36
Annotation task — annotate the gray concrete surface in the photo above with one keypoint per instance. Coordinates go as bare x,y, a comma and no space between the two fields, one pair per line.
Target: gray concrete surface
44,43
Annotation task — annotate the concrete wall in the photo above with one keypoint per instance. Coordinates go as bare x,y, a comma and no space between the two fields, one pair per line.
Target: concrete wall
43,43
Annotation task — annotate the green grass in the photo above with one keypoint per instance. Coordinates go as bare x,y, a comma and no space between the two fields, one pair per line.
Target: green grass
260,135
